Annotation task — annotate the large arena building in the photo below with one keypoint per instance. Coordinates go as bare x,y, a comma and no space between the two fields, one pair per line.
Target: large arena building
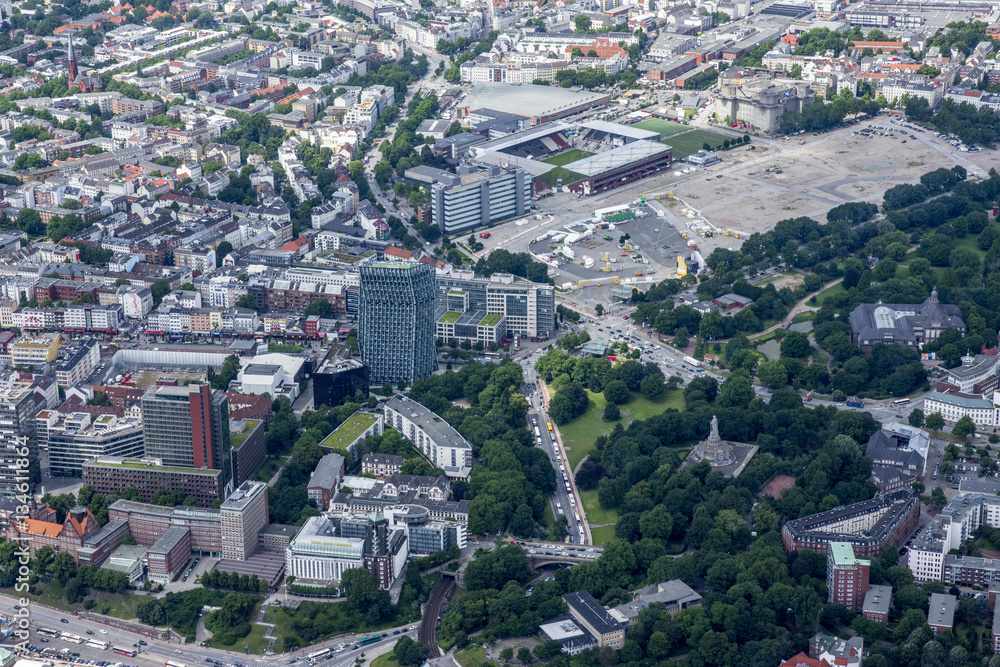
588,157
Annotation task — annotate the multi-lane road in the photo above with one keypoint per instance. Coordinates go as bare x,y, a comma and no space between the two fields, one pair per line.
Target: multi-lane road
156,652
565,485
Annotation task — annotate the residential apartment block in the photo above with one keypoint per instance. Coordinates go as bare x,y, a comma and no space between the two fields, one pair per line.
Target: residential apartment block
432,436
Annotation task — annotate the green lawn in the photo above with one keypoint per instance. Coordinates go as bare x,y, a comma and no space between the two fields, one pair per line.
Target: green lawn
596,513
805,316
578,436
386,660
664,127
691,142
572,155
563,173
602,534
836,290
110,604
474,656
970,242
550,518
270,466
256,640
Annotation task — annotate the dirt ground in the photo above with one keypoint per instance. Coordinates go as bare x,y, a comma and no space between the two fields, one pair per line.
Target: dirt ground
777,486
783,280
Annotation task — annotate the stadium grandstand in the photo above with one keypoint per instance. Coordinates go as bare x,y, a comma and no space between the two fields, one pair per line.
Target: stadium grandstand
587,157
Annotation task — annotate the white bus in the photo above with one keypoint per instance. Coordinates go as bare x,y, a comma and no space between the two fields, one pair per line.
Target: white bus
97,643
70,637
316,655
171,663
537,432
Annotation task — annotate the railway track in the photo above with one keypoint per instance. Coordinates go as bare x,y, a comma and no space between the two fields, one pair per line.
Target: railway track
428,624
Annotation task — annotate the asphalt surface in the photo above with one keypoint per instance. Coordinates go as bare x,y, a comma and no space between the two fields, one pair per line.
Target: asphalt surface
190,655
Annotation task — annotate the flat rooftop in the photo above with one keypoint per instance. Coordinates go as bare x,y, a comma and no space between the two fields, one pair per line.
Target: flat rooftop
528,100
350,430
618,157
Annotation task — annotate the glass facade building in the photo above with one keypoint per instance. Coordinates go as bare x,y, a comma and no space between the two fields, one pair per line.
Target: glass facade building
396,321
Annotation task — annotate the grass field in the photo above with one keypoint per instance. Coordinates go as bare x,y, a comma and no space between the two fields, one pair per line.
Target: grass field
664,127
596,513
690,143
563,173
256,640
572,155
474,656
386,660
602,534
579,435
270,466
836,290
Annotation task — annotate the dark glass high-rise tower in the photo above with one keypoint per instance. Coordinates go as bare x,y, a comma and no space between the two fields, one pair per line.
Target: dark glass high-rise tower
396,321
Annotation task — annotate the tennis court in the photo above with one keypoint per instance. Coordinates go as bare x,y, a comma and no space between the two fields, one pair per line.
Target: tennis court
664,127
691,142
572,155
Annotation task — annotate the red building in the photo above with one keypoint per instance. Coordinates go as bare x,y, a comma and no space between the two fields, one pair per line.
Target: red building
846,576
67,536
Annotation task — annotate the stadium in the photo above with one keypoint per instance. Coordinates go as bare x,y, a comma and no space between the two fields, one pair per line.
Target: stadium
587,158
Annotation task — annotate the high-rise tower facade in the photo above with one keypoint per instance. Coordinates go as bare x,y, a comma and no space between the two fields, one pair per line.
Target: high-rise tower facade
396,321
187,427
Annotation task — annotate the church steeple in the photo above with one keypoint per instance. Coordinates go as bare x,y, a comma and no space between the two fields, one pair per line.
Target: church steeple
72,61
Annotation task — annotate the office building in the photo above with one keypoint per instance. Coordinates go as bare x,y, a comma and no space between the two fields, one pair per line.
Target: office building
426,535
396,321
846,576
432,436
109,474
339,378
321,551
479,197
130,560
17,433
243,515
248,447
325,480
166,556
591,615
886,519
148,523
527,308
187,427
568,633
674,595
79,437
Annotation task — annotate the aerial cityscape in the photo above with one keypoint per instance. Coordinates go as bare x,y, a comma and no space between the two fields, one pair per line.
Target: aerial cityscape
474,333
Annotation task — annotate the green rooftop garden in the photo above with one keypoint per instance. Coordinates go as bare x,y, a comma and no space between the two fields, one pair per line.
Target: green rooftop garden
137,464
491,320
350,430
236,440
450,317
